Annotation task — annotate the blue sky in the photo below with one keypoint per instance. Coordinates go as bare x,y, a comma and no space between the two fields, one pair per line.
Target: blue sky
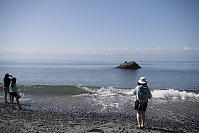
71,29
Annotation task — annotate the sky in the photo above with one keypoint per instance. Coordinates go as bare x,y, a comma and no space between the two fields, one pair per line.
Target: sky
99,29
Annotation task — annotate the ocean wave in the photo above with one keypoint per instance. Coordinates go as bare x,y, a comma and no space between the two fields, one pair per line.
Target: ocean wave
48,90
106,91
156,93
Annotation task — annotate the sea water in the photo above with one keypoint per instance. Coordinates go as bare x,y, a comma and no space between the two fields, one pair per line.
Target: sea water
179,75
165,78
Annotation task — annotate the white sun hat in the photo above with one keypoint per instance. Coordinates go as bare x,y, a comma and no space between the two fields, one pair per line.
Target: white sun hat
142,80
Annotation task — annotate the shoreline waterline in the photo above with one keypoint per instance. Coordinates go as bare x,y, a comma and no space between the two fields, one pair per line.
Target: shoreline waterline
67,90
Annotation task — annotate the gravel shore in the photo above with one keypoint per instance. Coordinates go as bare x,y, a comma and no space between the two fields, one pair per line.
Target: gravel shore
73,115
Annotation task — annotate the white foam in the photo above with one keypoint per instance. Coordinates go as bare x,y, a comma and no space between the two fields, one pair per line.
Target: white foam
103,91
110,91
174,94
86,89
159,94
100,91
130,92
25,99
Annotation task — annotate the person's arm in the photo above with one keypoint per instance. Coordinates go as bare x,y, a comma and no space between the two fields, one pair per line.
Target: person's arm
135,90
4,82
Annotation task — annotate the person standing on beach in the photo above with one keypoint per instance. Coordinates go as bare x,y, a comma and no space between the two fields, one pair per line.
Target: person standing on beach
14,93
6,83
142,93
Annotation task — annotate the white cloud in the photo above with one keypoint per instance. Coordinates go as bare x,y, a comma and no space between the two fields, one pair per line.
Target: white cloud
125,49
151,49
80,50
190,49
92,52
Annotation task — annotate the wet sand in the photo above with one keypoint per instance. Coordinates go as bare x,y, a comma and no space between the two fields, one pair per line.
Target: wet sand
81,114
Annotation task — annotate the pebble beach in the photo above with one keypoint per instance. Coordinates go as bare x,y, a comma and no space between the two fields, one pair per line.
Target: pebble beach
78,115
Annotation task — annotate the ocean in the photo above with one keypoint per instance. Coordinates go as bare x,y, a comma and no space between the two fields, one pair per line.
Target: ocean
165,78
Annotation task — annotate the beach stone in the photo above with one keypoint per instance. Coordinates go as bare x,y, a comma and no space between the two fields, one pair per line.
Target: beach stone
128,65
96,131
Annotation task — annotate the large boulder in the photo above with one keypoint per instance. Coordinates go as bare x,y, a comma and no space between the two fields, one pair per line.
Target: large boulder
128,65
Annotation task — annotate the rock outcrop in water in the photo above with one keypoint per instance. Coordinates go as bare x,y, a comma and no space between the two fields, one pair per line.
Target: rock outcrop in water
128,65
